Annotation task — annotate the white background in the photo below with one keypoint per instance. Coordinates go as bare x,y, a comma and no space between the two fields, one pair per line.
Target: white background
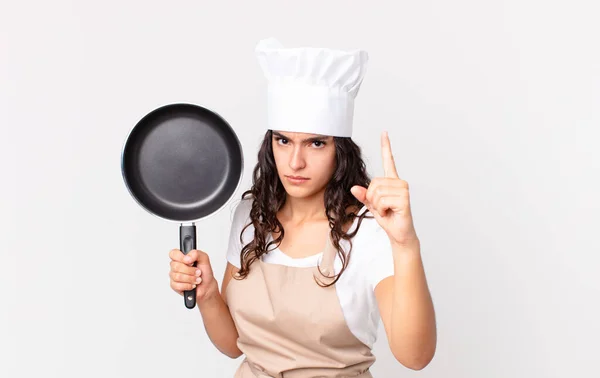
493,113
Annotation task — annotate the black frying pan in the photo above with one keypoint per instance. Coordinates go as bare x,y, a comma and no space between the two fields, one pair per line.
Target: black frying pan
182,163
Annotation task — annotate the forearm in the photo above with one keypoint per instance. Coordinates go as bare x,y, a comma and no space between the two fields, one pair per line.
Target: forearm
219,324
413,325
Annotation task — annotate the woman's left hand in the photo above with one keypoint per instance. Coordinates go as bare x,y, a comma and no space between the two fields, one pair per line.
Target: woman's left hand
388,200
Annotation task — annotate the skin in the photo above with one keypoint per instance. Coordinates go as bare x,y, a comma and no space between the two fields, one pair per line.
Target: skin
404,300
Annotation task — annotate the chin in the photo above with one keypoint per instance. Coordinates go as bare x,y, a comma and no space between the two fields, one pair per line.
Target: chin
299,192
296,192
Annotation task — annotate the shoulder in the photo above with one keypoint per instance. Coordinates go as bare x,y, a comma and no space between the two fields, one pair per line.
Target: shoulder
239,217
240,210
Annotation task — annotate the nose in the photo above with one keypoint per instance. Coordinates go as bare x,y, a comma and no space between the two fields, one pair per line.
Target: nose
297,161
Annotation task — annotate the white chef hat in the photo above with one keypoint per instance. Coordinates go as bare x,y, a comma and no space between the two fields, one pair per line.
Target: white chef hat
311,90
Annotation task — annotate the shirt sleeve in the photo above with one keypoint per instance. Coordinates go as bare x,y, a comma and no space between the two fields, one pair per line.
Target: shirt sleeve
381,264
241,217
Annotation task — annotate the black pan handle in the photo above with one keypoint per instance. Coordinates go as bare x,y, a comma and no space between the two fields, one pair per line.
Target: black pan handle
187,242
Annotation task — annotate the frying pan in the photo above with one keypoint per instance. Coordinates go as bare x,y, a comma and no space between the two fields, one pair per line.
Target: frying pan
182,162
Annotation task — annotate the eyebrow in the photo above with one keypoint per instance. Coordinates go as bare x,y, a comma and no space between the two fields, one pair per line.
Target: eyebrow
312,139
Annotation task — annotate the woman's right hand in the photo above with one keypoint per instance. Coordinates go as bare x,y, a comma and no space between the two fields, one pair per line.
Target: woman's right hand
185,276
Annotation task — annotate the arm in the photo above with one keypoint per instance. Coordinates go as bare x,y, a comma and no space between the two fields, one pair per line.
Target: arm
217,319
403,299
407,310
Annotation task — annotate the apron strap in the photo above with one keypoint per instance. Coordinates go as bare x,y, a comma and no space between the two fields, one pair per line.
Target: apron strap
327,263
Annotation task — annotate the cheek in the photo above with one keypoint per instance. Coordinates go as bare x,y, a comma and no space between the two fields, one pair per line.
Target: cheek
278,156
326,164
330,158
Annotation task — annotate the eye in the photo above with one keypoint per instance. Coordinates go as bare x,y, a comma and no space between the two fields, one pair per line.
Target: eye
319,143
282,140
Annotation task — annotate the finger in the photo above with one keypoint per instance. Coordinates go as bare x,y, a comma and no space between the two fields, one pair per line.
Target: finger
191,257
202,258
375,186
386,185
196,255
389,167
203,263
176,255
184,278
396,203
360,193
184,268
181,287
381,191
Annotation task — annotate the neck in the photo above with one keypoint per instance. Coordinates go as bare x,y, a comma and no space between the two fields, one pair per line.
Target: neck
298,210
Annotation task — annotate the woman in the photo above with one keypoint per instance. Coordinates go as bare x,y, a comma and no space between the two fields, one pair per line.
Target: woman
310,273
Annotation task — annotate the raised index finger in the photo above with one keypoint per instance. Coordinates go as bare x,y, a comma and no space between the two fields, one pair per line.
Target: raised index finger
389,167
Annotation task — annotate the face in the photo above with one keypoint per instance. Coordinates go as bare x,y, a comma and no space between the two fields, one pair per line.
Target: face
305,162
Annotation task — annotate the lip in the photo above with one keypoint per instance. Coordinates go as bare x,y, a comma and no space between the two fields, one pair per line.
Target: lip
296,179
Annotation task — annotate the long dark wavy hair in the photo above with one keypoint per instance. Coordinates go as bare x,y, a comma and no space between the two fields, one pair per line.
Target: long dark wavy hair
269,195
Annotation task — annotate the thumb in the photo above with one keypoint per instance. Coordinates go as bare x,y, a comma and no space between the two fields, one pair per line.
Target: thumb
191,257
205,266
203,258
360,193
196,255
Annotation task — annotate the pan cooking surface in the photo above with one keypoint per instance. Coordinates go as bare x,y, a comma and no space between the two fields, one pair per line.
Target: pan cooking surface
182,162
